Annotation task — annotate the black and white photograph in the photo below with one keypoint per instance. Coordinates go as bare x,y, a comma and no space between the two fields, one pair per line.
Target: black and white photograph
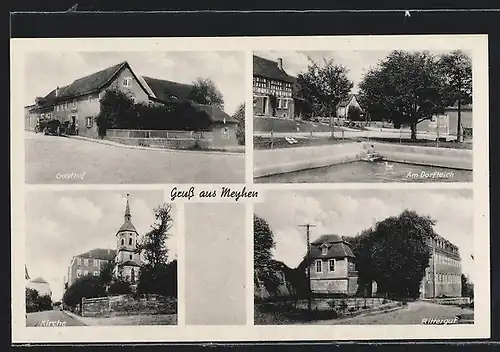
98,258
362,116
364,257
134,117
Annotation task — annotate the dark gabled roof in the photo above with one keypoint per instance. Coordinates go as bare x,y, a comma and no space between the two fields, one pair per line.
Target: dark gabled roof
86,85
167,90
127,226
215,113
39,280
346,101
99,253
269,69
327,238
128,263
337,248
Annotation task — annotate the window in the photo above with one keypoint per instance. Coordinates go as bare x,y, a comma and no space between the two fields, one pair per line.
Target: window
324,250
127,82
96,273
130,241
78,273
78,261
89,121
331,265
279,103
90,98
130,256
123,242
91,262
85,262
319,266
66,106
285,103
74,103
85,272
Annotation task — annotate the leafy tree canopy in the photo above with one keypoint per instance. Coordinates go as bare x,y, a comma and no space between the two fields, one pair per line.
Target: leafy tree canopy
264,265
324,86
87,286
239,115
395,253
205,91
405,88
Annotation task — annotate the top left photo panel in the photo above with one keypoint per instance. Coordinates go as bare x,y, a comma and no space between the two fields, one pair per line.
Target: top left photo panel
138,117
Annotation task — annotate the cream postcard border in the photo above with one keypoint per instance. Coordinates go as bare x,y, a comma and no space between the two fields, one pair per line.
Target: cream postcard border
477,44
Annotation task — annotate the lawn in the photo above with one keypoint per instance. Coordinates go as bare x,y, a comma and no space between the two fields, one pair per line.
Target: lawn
260,143
278,142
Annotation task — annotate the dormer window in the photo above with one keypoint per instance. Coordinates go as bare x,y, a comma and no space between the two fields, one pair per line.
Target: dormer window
123,242
130,241
324,249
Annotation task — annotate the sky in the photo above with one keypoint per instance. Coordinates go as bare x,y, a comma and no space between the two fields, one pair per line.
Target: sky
62,224
47,70
346,213
356,61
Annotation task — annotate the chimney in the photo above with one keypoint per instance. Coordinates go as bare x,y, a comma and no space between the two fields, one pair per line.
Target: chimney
57,91
280,63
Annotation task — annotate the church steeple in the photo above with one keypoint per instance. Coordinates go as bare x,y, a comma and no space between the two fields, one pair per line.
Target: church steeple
127,210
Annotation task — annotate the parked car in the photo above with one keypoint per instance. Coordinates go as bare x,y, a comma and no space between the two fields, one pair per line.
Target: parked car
53,127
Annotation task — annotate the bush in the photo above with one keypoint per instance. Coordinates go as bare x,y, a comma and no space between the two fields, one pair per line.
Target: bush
331,303
343,305
119,287
119,111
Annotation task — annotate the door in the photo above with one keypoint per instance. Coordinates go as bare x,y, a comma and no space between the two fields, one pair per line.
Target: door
264,105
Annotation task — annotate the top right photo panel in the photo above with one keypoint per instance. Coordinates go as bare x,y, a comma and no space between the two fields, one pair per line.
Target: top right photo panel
363,116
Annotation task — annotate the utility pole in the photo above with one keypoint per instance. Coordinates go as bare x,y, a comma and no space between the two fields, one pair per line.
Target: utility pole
433,268
308,262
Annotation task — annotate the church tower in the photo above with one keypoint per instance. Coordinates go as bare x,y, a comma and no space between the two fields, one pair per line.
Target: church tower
128,262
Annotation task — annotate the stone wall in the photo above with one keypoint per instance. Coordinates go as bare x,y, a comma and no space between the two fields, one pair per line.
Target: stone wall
163,142
279,161
427,156
128,305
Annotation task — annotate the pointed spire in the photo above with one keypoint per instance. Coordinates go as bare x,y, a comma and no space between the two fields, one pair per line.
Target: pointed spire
127,210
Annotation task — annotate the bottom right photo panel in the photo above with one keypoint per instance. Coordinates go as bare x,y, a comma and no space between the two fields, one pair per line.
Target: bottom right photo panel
364,257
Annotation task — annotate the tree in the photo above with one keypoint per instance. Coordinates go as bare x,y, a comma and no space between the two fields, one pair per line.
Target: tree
273,101
155,274
35,302
324,86
354,113
87,286
264,268
467,287
205,92
106,274
119,286
117,111
457,73
395,254
405,88
239,115
153,244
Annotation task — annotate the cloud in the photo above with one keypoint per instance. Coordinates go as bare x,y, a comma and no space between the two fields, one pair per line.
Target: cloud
347,213
44,71
62,224
80,208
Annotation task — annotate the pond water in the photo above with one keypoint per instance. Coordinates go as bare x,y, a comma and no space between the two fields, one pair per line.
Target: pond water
362,171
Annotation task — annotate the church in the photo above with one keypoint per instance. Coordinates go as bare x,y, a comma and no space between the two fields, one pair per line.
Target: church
127,261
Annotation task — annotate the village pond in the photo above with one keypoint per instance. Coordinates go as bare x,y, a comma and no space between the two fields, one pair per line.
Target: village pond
362,171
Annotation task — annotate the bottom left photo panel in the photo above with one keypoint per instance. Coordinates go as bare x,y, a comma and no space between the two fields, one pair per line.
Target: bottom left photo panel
100,258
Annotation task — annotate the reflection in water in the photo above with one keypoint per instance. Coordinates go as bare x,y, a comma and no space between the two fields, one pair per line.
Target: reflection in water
362,171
